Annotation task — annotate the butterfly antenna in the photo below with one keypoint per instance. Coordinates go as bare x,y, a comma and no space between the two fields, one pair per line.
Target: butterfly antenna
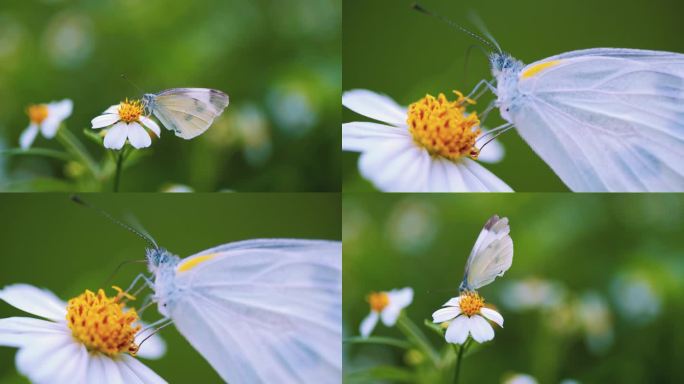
480,24
457,26
123,76
77,199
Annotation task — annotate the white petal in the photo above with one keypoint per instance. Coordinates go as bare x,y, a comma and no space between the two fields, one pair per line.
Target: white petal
438,175
368,324
145,374
151,125
113,109
111,370
40,361
360,137
49,127
138,136
96,370
28,136
401,298
396,165
376,106
492,152
480,329
153,348
60,110
104,120
482,179
19,331
445,314
36,301
65,365
116,136
457,332
390,314
453,302
493,316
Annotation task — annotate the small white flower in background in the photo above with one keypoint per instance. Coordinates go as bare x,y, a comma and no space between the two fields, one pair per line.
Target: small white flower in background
519,378
126,121
90,339
427,147
467,315
45,118
386,306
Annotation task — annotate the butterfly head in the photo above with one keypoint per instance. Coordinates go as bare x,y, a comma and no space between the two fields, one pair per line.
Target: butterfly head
160,257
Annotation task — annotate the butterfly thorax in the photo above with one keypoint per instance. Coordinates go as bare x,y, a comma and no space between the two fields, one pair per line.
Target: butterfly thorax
149,102
505,69
162,264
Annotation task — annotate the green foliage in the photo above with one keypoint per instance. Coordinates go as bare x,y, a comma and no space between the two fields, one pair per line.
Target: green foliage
279,62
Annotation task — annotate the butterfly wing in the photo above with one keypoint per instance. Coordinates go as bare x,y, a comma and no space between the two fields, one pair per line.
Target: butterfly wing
264,311
491,255
607,119
188,111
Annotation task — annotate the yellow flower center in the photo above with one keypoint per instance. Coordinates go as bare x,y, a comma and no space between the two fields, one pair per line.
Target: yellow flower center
442,127
130,111
471,303
102,324
378,301
37,113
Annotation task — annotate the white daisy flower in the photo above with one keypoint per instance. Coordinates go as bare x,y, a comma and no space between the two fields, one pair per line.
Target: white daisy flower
385,306
90,339
126,121
45,118
427,147
467,315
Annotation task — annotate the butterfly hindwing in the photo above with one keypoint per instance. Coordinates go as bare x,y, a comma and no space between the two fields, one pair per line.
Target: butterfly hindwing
189,111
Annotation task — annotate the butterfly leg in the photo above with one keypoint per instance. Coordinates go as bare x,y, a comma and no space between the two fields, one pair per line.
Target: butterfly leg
476,93
147,282
485,113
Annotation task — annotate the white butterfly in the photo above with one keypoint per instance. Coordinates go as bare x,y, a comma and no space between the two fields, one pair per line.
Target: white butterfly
491,256
186,111
603,119
260,311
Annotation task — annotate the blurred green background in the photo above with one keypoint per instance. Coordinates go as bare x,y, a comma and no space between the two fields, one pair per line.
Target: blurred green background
51,242
390,48
595,292
278,60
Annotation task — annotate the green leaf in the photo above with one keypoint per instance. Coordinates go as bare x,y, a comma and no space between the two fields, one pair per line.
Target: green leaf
39,185
37,152
76,148
384,372
93,136
434,327
379,340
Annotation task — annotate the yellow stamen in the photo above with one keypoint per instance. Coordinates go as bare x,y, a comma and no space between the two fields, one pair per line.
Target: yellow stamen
378,301
37,113
471,303
130,111
102,324
442,126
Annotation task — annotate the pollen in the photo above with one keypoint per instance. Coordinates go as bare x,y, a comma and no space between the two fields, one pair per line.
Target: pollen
102,323
443,127
37,113
378,301
130,111
471,303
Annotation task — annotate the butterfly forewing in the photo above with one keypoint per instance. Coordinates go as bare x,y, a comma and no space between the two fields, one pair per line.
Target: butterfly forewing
189,111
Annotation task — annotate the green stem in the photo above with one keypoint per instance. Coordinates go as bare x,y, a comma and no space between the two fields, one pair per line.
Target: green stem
71,143
379,340
459,358
418,338
119,166
37,152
